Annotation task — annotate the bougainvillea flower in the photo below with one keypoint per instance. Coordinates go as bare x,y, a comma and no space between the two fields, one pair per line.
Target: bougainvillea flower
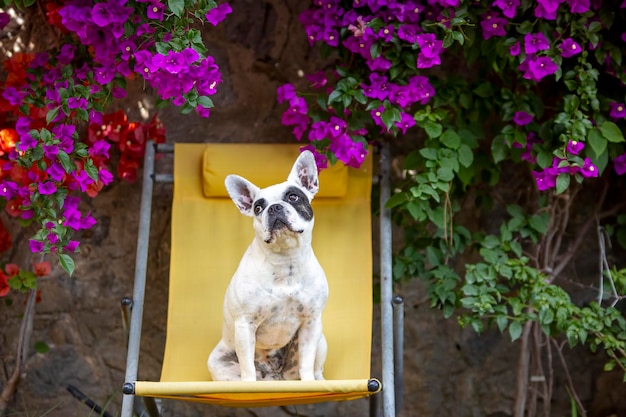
336,127
546,9
535,68
493,25
319,130
569,48
378,87
71,246
420,89
348,151
589,170
508,7
545,179
619,163
5,238
318,80
35,245
579,6
42,269
46,188
574,147
617,110
535,42
106,13
408,33
386,33
380,63
285,92
4,19
406,121
515,49
217,14
155,10
5,288
521,118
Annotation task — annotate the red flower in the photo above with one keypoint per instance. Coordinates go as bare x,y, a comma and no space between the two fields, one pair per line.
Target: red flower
42,268
5,238
8,139
4,285
11,269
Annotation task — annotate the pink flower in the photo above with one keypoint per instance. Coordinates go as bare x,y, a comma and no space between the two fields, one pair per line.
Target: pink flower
617,110
521,118
574,147
217,14
619,163
569,48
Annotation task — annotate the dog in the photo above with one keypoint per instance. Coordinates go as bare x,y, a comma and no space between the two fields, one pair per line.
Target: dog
272,327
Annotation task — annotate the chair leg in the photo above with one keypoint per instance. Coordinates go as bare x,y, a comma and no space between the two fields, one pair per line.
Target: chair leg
141,262
398,349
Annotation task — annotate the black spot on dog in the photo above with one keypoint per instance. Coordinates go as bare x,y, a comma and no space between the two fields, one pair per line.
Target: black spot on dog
300,308
299,201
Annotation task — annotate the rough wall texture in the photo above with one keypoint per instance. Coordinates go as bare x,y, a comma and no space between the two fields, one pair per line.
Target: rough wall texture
448,371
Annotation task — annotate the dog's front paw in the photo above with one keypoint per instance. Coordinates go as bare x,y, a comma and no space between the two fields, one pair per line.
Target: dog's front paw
307,376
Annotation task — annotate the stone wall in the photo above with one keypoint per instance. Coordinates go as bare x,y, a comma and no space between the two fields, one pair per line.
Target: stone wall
449,371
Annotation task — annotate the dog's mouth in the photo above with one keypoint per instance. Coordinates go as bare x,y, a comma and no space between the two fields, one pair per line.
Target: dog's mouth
279,225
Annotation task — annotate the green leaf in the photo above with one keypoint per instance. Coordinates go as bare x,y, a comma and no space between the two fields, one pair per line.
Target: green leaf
52,114
433,129
41,347
502,321
176,6
67,263
429,153
205,102
539,222
445,174
91,170
396,200
611,132
597,141
498,149
515,330
484,90
67,164
451,139
466,156
562,182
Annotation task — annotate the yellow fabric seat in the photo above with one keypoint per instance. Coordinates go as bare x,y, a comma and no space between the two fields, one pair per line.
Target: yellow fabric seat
209,236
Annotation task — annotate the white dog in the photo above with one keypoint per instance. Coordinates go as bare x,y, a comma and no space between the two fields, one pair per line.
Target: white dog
273,306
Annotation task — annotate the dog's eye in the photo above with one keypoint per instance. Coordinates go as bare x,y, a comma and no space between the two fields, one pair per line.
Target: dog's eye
258,209
293,198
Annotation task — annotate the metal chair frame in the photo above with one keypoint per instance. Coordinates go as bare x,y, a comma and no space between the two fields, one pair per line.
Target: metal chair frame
392,307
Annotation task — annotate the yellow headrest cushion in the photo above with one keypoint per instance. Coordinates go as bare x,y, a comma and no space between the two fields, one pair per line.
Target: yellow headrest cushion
263,165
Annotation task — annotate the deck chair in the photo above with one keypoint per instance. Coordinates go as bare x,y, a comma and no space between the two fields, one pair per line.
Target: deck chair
209,236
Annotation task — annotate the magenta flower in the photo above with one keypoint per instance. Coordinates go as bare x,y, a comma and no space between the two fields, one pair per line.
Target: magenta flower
100,148
378,87
105,176
619,163
521,118
617,110
35,245
546,9
348,151
26,142
405,122
319,130
515,49
53,238
380,63
46,188
545,179
285,92
535,68
534,43
493,25
4,19
71,246
56,171
377,116
336,127
589,170
386,33
508,7
574,147
318,80
155,10
408,33
579,6
217,14
420,89
569,48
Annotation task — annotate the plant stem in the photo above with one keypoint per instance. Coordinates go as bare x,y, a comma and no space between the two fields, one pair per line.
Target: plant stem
23,344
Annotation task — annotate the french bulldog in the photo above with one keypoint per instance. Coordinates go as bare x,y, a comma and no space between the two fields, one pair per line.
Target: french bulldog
272,327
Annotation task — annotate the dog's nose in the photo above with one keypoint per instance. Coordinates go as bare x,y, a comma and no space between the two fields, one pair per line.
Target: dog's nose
275,209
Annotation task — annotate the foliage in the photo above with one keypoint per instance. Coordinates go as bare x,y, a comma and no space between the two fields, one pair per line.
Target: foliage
511,110
57,136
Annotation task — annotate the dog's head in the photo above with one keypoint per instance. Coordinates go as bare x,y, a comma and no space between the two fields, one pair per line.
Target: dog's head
281,211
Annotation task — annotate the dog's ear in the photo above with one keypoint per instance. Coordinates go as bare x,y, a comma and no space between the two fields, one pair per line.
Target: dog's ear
304,173
242,192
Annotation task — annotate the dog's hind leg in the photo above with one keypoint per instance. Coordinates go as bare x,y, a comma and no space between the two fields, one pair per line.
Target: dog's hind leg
223,363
